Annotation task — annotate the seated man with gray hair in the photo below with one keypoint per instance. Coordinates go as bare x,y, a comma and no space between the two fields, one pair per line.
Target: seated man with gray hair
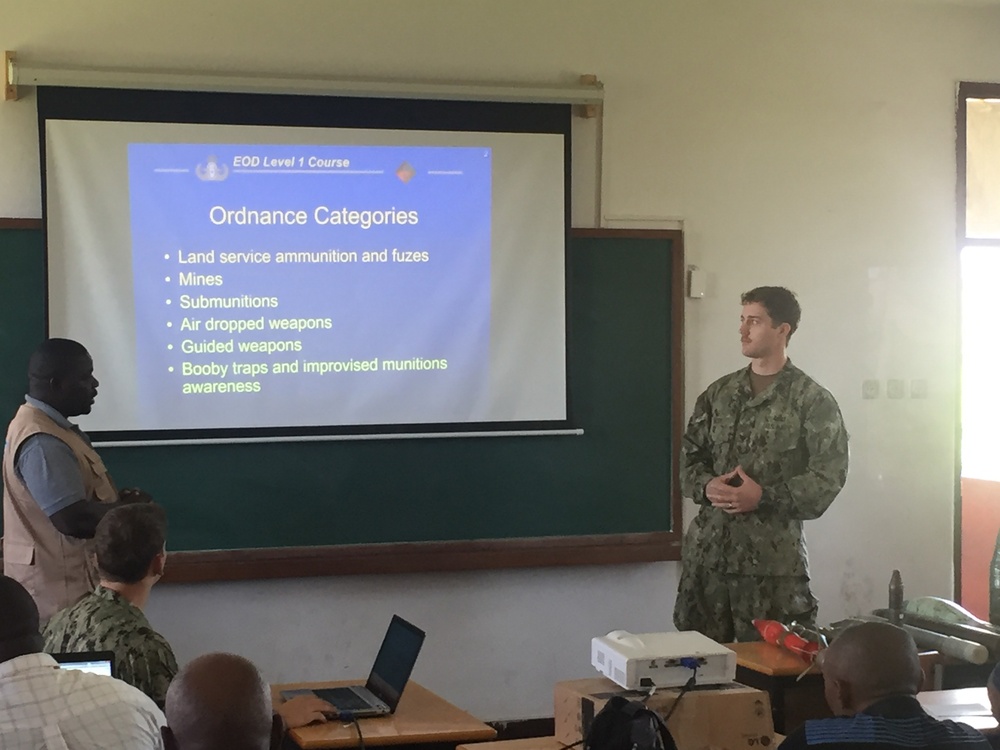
871,676
221,702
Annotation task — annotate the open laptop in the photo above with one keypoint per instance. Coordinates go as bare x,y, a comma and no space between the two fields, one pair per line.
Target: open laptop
95,662
390,673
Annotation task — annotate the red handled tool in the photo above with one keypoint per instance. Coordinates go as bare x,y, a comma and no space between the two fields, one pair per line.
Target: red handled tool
778,634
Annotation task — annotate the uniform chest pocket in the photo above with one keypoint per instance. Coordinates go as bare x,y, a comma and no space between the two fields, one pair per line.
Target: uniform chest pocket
782,432
723,428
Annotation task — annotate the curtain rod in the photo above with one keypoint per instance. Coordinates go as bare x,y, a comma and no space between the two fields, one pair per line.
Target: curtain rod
589,91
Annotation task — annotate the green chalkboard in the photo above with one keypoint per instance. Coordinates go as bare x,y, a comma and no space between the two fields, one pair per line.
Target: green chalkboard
22,310
273,509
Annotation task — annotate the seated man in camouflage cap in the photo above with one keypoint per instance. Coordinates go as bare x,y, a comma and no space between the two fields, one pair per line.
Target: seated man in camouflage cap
131,553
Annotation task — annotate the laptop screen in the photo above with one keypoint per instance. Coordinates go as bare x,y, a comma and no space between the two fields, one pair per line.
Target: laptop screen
395,660
95,662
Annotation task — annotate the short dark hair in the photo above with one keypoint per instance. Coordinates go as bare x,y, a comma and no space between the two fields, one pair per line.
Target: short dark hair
779,302
127,540
54,358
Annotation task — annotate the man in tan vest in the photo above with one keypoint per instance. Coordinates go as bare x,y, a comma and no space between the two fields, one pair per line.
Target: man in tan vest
55,486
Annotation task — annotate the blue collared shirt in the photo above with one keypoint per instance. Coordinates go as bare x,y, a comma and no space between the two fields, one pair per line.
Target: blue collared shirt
48,467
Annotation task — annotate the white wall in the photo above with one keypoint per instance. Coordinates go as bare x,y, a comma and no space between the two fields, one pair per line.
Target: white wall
804,143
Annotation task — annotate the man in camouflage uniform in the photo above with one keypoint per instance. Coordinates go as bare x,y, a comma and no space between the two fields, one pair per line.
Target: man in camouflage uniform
765,450
131,553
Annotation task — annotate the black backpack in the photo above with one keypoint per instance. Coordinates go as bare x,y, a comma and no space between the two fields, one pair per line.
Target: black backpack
628,725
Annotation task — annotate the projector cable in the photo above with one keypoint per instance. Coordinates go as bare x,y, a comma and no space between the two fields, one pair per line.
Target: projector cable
348,717
687,686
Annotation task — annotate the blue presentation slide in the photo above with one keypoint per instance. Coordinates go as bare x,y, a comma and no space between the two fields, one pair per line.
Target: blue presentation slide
290,285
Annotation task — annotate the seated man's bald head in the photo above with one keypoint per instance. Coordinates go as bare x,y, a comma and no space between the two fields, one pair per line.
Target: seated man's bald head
220,701
868,662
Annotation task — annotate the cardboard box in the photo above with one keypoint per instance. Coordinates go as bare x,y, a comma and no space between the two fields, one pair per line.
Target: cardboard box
720,717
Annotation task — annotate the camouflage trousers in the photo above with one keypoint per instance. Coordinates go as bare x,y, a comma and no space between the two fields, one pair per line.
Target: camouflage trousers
723,606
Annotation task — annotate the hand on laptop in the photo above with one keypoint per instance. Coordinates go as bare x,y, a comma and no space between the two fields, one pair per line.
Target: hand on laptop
304,709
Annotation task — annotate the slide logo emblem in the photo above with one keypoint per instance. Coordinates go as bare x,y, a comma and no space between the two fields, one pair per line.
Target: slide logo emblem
211,170
405,172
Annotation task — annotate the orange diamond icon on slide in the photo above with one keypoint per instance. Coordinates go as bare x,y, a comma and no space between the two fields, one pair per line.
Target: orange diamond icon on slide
405,172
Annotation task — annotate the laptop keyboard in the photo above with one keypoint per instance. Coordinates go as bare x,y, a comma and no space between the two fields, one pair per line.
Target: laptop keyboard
344,699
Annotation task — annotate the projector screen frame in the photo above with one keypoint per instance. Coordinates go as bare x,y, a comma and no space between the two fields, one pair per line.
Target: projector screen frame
66,103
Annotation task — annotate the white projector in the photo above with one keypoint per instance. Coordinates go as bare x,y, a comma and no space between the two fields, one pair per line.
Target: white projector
647,660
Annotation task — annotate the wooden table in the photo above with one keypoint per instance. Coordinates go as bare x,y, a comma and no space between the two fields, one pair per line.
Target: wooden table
421,718
968,705
777,671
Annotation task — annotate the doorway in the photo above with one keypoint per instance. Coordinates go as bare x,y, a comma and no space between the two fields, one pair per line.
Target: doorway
979,243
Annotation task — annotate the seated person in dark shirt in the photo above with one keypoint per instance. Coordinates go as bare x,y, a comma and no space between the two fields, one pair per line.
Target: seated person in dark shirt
993,691
871,675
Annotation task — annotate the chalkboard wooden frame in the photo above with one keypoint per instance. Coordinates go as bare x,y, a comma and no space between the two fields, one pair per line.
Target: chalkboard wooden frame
20,223
405,557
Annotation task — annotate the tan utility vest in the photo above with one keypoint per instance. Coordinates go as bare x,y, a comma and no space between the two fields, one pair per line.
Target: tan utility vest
57,570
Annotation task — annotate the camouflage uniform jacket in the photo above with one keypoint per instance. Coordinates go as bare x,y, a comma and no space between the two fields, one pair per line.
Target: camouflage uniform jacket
105,621
791,440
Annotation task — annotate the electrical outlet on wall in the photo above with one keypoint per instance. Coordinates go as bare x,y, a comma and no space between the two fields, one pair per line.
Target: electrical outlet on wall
918,388
895,388
869,388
